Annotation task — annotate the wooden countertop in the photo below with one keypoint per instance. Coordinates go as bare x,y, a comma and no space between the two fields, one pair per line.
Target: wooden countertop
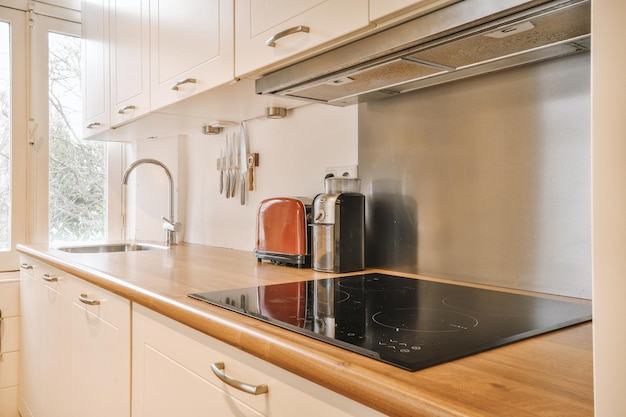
548,375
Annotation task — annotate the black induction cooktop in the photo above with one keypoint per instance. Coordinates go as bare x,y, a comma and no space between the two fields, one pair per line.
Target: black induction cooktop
409,323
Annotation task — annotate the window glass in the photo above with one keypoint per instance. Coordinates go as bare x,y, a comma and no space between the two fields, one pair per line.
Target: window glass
78,168
5,138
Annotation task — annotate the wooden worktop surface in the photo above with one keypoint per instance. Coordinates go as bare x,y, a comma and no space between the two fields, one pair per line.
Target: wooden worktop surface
548,375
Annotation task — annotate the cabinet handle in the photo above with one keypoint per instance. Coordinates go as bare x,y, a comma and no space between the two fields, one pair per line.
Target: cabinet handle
83,298
271,42
24,265
123,109
92,125
181,82
49,278
218,370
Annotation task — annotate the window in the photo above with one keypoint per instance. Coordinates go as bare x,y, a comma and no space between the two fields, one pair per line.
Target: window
70,191
77,168
5,138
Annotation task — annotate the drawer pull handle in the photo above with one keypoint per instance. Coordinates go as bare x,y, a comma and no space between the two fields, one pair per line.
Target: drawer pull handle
83,298
123,109
26,266
218,370
49,278
181,82
271,42
93,125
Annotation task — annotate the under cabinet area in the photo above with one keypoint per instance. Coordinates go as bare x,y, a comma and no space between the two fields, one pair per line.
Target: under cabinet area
169,357
75,346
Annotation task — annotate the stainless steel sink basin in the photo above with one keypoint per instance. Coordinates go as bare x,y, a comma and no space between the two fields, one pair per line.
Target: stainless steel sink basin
110,247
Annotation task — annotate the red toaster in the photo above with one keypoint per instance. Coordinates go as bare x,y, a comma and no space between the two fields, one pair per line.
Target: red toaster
282,234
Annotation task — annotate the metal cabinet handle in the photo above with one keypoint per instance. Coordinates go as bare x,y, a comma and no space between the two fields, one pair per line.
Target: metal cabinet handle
181,82
24,265
123,109
92,125
50,278
271,42
84,298
218,370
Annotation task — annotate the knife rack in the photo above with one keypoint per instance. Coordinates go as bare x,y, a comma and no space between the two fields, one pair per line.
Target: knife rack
221,162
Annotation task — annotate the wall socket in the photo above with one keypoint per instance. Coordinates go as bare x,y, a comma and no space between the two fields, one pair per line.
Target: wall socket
341,171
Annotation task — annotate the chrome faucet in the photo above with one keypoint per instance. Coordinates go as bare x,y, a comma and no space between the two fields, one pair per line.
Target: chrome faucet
171,227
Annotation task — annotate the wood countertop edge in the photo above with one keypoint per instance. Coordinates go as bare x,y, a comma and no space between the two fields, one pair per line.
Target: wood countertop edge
361,379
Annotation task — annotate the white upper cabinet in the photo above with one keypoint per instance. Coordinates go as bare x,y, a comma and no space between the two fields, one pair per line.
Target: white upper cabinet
386,9
95,28
130,59
192,48
270,31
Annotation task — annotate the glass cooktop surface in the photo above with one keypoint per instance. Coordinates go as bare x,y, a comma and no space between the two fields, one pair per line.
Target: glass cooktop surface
406,322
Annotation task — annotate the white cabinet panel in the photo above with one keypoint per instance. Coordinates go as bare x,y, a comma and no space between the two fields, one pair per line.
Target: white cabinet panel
130,59
75,357
95,32
170,357
99,365
43,350
259,20
385,9
192,48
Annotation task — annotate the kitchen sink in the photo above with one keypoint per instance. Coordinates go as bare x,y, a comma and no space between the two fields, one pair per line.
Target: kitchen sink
110,247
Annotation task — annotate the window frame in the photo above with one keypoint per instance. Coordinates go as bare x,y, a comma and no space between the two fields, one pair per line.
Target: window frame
9,260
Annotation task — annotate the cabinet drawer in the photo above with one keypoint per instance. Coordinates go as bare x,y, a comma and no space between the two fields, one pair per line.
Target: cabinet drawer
296,27
163,347
99,302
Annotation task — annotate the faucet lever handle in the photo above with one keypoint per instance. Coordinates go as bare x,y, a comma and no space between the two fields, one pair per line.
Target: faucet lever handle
171,225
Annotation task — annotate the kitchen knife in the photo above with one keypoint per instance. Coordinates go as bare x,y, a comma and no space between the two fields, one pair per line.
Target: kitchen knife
227,176
243,155
220,166
234,165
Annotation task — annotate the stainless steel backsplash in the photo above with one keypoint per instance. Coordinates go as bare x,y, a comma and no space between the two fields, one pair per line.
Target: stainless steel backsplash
485,180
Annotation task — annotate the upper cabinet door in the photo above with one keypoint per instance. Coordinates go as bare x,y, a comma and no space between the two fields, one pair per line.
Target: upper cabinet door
95,27
269,31
130,59
192,48
387,9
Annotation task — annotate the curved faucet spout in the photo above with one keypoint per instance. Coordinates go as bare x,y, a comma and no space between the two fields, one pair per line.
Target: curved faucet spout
169,233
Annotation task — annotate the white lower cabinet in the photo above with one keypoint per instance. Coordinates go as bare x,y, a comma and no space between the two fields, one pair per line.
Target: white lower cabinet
44,355
99,366
172,375
77,341
75,346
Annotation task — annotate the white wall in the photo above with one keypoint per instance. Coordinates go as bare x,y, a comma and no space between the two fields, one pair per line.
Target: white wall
608,92
293,153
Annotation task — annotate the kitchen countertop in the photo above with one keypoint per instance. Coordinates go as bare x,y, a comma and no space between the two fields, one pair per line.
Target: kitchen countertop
547,375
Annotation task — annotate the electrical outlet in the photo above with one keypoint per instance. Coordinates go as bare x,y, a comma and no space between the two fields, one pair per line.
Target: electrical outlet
341,171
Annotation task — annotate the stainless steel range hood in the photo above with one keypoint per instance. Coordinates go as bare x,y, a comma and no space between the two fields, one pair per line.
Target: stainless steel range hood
469,38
